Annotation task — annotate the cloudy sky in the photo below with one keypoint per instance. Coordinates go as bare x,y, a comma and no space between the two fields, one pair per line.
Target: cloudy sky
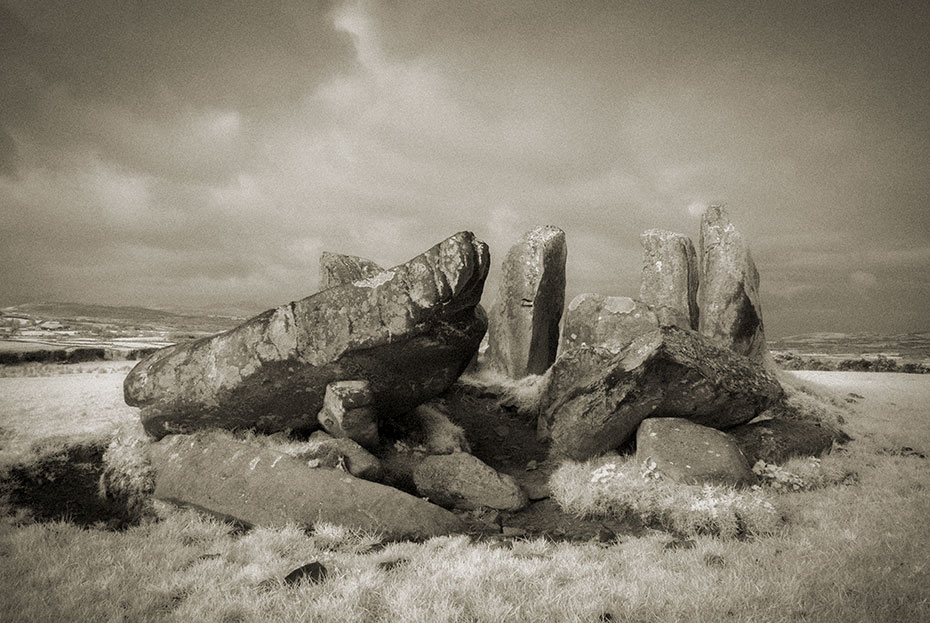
184,153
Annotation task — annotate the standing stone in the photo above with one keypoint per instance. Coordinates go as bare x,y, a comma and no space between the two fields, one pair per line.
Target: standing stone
728,297
258,486
690,453
523,331
409,331
670,372
610,322
337,269
670,278
349,411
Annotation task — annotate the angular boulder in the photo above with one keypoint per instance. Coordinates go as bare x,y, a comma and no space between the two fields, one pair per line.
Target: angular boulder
670,372
409,331
779,439
337,269
461,480
328,451
349,411
728,296
670,278
610,322
258,486
523,326
690,453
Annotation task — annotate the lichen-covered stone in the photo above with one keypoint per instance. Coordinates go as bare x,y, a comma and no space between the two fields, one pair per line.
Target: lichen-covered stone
670,278
689,453
523,331
349,411
258,486
337,269
409,331
461,480
610,322
728,296
779,439
669,372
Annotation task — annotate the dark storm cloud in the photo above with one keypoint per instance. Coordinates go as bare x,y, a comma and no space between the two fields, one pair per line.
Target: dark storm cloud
186,153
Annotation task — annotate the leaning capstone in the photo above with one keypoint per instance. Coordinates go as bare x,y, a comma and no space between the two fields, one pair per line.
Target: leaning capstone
670,372
670,277
409,331
523,331
610,322
461,480
337,269
349,411
259,486
728,296
689,453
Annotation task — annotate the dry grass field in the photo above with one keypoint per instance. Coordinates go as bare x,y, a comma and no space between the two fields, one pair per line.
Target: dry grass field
856,551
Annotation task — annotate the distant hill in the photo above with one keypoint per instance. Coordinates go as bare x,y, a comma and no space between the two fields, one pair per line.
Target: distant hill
126,317
905,346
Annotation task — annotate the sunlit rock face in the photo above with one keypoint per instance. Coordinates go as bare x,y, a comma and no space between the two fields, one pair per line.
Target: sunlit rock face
670,278
610,322
409,331
337,269
728,296
523,334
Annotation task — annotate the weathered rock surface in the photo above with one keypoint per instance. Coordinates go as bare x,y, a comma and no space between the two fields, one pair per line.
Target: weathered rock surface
337,269
690,453
728,296
461,480
409,331
333,452
779,439
594,405
349,411
610,322
670,277
523,331
261,487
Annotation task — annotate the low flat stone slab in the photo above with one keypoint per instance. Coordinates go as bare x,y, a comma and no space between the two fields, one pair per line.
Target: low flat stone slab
690,453
595,405
779,439
258,486
461,480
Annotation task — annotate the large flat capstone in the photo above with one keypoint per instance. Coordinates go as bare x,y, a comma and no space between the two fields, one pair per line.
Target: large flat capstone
409,331
258,486
595,402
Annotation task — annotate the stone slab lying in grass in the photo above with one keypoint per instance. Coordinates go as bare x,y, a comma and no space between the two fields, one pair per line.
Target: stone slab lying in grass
409,331
779,439
690,453
258,486
461,480
595,404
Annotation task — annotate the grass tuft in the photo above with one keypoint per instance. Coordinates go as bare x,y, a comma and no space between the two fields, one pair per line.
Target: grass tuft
617,487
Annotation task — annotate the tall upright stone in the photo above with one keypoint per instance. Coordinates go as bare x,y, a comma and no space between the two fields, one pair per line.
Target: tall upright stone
670,278
728,296
337,269
523,326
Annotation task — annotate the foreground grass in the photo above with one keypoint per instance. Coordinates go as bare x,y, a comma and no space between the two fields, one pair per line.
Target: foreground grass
852,552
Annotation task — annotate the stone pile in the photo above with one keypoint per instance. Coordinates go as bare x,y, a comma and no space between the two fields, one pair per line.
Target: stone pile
366,357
